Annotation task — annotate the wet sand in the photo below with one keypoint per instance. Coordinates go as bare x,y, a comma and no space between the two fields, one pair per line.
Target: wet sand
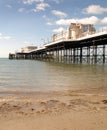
61,110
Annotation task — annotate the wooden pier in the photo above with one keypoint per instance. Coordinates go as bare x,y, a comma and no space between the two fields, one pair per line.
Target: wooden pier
80,43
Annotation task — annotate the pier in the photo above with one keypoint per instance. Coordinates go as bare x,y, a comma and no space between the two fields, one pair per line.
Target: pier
78,44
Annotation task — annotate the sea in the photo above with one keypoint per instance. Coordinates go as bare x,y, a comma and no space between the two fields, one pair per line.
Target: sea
33,75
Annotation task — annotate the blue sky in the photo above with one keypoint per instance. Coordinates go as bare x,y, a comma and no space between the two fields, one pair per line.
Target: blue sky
32,22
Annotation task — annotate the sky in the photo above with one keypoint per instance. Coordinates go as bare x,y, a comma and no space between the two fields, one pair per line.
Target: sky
33,22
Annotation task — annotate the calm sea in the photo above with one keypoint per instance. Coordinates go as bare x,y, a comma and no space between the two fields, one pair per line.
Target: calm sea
31,75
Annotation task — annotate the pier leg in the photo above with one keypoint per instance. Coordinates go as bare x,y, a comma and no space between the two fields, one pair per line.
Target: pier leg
61,55
57,54
73,55
103,54
88,54
81,55
64,55
77,55
93,53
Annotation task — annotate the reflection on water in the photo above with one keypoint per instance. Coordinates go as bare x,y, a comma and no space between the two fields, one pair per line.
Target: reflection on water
44,76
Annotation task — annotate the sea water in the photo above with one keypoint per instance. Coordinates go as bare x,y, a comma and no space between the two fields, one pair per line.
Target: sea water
32,75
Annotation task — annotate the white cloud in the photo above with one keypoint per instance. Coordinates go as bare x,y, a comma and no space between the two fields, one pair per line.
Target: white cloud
58,30
21,9
31,1
104,20
95,9
65,21
59,13
49,23
57,1
4,37
41,7
88,20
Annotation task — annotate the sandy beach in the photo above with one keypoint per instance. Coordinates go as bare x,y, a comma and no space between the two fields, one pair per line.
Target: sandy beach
66,110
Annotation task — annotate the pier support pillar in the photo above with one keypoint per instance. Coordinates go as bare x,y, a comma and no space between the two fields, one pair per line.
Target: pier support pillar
81,55
74,55
88,54
103,54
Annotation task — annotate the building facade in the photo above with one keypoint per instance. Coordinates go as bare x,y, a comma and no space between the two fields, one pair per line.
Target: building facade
74,31
28,49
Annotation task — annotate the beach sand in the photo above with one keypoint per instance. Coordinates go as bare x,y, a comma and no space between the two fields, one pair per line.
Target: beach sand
64,110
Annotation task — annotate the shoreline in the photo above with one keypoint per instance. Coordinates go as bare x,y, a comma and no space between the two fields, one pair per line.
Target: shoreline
92,91
53,110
